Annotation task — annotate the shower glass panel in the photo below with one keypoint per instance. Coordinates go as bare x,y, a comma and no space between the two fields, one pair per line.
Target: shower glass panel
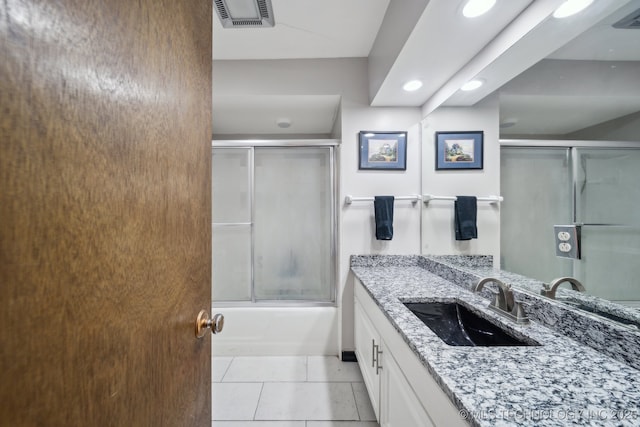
231,190
231,213
608,204
231,267
293,223
536,185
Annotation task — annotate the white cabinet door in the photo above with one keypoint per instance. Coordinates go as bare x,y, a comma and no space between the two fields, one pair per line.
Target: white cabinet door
368,349
399,405
407,397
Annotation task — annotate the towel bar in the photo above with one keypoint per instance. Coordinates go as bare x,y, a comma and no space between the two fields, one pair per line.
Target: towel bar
350,199
491,199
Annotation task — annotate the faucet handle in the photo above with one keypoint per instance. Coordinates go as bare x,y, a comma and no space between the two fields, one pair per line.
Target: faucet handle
495,301
520,316
546,290
518,313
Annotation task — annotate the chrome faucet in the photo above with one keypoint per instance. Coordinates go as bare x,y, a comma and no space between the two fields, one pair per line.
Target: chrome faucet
503,302
503,299
550,290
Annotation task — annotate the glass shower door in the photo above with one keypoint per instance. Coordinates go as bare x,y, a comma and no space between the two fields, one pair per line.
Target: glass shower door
273,224
607,203
293,223
232,224
536,185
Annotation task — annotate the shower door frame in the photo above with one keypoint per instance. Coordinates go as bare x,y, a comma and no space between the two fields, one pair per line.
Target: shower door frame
250,144
570,145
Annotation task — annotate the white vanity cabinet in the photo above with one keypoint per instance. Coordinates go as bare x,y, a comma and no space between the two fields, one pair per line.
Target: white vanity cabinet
399,406
368,352
401,390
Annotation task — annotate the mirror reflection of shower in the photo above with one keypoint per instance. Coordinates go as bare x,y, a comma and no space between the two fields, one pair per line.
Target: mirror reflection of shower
594,187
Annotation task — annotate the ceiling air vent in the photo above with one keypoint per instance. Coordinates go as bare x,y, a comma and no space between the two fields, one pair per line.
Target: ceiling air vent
630,22
245,13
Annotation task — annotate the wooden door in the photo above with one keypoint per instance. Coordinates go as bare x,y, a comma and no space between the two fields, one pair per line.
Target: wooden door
105,204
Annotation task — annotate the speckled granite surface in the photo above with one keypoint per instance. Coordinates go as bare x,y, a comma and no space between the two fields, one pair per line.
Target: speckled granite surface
560,382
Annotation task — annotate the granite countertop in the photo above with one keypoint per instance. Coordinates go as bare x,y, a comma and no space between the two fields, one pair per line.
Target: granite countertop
561,382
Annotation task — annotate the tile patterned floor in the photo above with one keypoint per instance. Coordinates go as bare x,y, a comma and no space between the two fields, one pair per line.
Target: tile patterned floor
297,391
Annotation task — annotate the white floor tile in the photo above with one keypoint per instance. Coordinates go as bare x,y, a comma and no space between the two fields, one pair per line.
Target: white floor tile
343,424
219,366
235,401
307,401
258,424
320,368
365,410
263,369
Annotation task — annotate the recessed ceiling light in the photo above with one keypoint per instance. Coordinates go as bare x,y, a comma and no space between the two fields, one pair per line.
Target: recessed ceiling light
571,7
475,8
412,85
472,85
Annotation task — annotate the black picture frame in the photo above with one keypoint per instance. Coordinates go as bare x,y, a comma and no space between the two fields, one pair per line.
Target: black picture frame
459,150
383,150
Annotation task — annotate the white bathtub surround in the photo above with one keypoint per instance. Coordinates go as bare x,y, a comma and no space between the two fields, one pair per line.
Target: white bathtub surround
277,331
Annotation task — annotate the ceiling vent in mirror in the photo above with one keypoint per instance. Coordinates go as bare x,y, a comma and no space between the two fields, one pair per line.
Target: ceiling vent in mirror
245,13
631,21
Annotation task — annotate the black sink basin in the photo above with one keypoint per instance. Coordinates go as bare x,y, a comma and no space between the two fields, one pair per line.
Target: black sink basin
456,325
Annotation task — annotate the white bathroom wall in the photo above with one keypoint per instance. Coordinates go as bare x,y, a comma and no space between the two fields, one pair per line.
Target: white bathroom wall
357,227
346,77
438,236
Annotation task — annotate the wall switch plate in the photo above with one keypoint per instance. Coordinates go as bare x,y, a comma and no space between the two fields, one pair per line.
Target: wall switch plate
567,238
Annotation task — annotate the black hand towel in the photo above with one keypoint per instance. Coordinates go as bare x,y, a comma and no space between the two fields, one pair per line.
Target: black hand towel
383,207
466,211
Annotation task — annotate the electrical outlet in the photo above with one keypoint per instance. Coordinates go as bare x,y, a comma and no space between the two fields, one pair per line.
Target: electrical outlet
565,247
567,238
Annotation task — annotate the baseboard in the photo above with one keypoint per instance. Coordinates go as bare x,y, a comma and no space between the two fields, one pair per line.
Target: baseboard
349,356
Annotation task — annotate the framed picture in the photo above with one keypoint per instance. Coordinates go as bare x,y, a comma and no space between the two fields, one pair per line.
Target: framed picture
383,150
459,150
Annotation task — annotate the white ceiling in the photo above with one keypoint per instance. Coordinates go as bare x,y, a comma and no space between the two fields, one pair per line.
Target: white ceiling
444,49
305,29
592,79
441,43
602,42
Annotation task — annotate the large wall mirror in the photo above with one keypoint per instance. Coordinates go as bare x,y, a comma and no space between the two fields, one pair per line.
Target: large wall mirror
569,96
570,131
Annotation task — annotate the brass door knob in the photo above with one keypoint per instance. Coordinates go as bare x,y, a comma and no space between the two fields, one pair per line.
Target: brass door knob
203,322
